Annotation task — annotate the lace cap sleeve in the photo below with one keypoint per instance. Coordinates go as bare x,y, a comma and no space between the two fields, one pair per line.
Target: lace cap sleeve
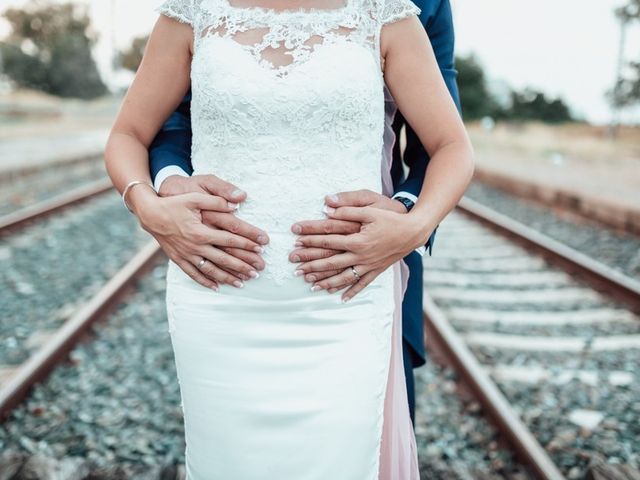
393,10
181,10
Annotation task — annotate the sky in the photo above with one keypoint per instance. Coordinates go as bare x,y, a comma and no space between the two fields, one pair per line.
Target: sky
566,48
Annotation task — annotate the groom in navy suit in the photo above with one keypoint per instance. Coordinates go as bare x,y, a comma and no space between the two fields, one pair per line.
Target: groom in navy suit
170,167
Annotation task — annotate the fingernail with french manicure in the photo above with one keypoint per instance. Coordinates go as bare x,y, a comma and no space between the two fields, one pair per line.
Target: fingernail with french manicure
254,274
258,249
333,198
237,192
232,205
298,272
315,288
262,239
238,283
328,209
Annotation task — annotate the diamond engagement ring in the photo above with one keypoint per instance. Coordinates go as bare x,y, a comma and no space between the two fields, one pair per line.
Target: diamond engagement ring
355,273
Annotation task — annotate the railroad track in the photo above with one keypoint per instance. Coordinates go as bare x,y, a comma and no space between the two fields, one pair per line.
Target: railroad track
519,315
457,305
51,403
19,189
49,347
54,349
19,218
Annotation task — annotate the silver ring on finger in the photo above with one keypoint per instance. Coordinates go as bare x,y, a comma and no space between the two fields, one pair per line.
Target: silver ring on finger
201,263
355,274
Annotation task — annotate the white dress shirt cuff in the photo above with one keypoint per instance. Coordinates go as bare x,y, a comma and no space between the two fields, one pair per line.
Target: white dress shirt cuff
166,172
408,195
421,249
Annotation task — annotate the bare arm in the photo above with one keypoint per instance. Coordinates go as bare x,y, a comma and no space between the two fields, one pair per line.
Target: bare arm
158,87
176,222
415,81
413,76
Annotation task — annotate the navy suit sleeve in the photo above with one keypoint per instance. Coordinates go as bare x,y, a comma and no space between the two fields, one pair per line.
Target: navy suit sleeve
172,144
437,18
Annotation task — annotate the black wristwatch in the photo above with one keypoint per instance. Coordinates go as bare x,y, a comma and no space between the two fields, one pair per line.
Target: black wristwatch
406,202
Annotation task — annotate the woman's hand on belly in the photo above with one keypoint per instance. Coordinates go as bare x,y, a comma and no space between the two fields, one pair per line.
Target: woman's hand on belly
369,232
201,234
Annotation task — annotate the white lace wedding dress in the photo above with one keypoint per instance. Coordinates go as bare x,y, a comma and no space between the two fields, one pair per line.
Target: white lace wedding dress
279,382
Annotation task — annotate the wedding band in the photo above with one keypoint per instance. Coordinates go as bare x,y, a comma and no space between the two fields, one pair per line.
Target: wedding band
353,269
201,263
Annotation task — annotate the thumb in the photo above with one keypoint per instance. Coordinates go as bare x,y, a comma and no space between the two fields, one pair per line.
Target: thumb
352,214
217,186
205,201
358,198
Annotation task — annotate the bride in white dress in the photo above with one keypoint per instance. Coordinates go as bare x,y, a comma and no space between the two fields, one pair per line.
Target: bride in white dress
278,381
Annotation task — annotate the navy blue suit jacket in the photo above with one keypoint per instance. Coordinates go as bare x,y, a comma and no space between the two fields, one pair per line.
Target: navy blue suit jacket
172,146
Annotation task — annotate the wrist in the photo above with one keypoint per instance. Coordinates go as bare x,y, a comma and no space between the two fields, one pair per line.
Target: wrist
167,172
399,206
419,229
406,203
175,185
142,201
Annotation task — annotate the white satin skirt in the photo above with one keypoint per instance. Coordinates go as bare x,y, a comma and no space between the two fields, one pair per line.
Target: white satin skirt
278,382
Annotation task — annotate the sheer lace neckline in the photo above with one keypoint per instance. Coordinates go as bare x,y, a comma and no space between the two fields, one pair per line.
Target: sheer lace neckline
286,11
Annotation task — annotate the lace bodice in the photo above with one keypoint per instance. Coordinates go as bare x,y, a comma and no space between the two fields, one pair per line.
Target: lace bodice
288,105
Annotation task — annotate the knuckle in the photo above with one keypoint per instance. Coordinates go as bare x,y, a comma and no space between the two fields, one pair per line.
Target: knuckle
326,253
198,237
229,241
247,270
355,243
353,227
208,269
330,265
234,226
226,261
228,278
192,274
327,227
209,217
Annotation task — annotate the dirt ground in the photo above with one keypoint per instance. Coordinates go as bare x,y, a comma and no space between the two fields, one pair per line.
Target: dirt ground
25,114
574,163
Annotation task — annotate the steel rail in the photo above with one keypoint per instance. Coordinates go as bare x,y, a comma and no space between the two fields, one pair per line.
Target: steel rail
56,349
601,277
487,392
20,218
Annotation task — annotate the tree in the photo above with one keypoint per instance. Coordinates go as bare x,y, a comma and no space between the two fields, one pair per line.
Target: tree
49,48
531,104
626,90
476,100
131,58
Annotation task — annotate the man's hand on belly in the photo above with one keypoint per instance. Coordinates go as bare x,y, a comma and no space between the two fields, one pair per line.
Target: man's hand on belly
230,245
330,247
